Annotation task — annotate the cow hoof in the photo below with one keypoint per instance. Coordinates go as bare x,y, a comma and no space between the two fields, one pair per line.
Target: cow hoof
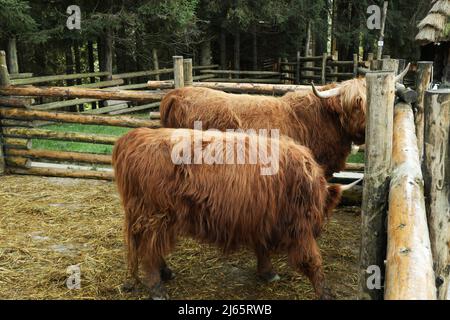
167,274
270,277
129,286
158,292
327,295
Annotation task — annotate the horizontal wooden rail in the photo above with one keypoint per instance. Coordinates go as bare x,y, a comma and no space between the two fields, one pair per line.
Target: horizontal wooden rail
16,102
236,87
60,156
239,72
212,66
138,74
15,76
409,265
31,133
58,78
80,93
129,122
100,84
246,80
17,143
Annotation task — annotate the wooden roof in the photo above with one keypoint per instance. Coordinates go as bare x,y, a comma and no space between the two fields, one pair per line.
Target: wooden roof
435,27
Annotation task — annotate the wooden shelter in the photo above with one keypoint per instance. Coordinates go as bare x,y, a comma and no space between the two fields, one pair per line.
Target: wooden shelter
434,37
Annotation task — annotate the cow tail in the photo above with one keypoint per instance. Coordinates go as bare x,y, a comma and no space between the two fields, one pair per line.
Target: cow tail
166,109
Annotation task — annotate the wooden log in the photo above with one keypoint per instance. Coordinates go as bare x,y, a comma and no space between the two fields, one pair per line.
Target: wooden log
80,93
355,65
278,89
64,173
22,75
32,133
60,156
137,108
21,114
409,264
15,123
436,166
16,102
246,80
4,74
155,115
57,78
62,104
155,62
242,72
101,84
212,66
138,74
187,72
108,109
354,166
389,65
203,77
178,74
324,70
423,80
405,94
379,127
16,143
18,162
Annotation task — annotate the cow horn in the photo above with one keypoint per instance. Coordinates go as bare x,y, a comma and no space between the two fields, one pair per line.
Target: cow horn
403,74
326,94
351,185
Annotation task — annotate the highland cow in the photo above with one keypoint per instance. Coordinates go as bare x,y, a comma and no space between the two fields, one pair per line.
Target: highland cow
327,122
229,205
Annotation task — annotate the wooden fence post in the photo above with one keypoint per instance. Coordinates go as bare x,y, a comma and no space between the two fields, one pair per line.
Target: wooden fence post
4,81
13,64
423,80
409,262
324,68
178,74
155,62
436,167
187,72
379,131
4,74
355,65
390,65
297,69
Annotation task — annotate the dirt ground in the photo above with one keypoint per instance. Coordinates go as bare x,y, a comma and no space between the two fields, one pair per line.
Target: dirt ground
49,224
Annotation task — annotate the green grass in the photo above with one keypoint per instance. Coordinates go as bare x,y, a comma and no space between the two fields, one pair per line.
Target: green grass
356,158
79,146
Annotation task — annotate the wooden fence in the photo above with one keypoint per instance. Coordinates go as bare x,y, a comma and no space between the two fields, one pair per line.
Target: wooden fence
415,242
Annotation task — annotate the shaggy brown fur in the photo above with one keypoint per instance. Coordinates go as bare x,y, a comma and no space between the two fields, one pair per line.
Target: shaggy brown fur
328,127
227,205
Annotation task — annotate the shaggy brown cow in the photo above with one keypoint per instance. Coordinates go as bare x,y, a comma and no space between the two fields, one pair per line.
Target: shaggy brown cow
326,122
230,205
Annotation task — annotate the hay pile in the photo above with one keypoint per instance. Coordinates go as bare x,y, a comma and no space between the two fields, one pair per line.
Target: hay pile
48,224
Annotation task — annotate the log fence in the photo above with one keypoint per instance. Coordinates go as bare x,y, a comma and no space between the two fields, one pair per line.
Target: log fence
411,249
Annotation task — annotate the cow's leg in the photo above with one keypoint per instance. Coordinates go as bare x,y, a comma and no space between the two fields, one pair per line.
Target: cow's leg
264,265
151,267
166,272
308,260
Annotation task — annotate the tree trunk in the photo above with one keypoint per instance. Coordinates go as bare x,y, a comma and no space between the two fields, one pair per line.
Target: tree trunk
76,50
69,62
205,53
13,64
91,59
223,49
255,49
155,62
237,50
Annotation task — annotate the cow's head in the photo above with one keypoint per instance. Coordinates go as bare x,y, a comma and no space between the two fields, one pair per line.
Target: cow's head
349,100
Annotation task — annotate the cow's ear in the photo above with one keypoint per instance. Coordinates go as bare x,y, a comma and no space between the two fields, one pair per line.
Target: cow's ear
333,198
